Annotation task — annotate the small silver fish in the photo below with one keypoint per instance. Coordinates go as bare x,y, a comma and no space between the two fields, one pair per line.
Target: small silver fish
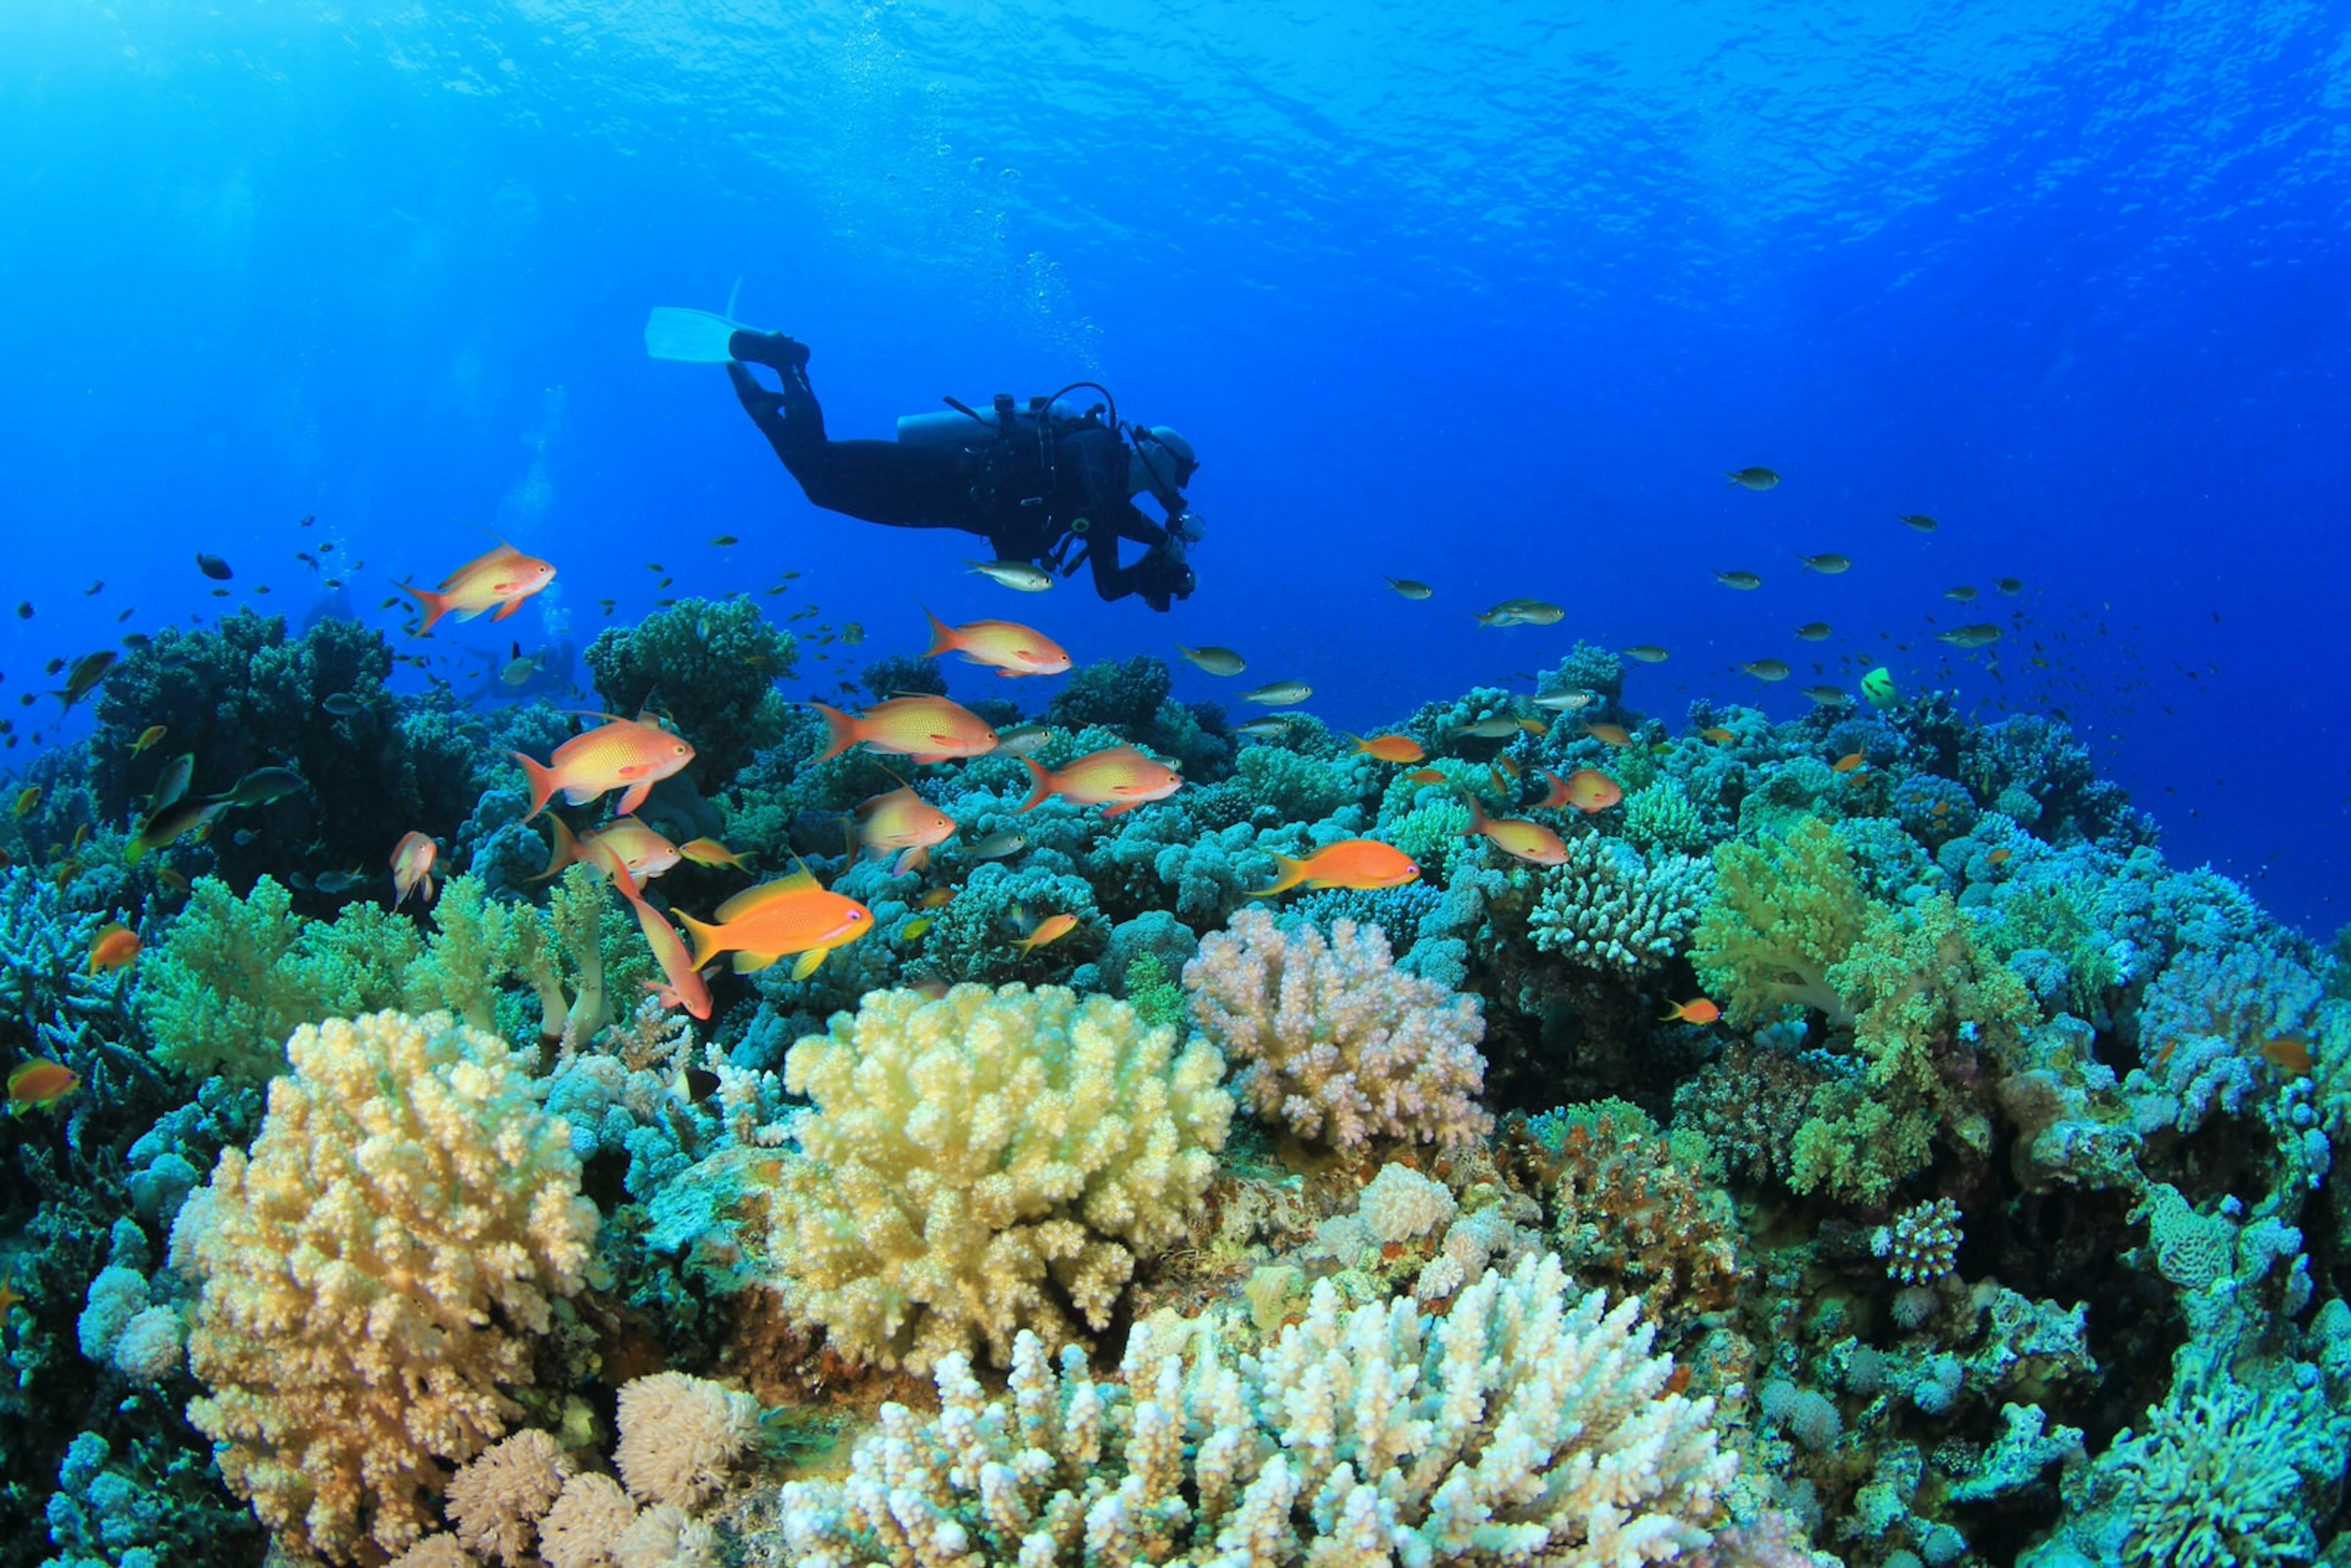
1647,653
1566,702
1407,587
1827,696
262,786
1017,575
1522,612
1827,565
1279,694
1742,580
343,705
1767,670
997,845
1753,478
1492,729
1022,739
1264,728
1918,520
1216,661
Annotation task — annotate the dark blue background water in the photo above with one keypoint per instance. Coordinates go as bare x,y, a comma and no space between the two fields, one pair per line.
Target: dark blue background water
1489,302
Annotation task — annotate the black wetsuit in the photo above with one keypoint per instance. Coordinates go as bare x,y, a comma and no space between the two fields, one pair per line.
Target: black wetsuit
1029,501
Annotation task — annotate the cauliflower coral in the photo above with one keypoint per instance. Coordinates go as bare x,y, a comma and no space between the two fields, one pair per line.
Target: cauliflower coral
374,1273
985,1162
1334,1042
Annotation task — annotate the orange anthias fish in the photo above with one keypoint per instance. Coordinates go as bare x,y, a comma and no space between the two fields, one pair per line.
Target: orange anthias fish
1118,777
686,987
1612,734
710,852
902,822
115,946
1587,789
1717,734
505,577
1698,1009
644,852
789,914
2290,1054
1007,647
39,1084
1851,762
1052,928
626,754
1388,748
1530,842
412,866
1425,775
1350,862
926,728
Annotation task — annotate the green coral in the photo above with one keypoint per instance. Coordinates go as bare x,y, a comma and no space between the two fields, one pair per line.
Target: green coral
1923,997
236,976
1152,993
482,945
710,667
1662,818
1785,911
1302,789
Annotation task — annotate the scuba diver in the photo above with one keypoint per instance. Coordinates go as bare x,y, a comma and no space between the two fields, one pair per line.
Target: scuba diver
1046,484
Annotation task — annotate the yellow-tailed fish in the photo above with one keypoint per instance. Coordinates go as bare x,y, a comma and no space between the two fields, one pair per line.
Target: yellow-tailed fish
1514,836
710,852
1351,863
776,919
1052,928
149,737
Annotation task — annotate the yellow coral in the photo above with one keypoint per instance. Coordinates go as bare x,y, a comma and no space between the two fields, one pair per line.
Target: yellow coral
990,1161
372,1273
1784,912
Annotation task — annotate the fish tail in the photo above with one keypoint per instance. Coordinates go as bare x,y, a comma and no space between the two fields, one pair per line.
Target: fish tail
566,850
943,637
433,605
707,943
841,731
1046,785
1293,871
543,783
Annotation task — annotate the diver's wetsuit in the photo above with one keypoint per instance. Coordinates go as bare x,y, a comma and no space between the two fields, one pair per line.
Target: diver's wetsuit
997,488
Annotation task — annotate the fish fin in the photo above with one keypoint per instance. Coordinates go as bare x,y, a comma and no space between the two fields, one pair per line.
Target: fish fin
912,861
1293,871
543,783
808,963
752,963
635,797
1045,784
943,636
841,731
431,603
428,887
508,608
564,850
1121,807
707,941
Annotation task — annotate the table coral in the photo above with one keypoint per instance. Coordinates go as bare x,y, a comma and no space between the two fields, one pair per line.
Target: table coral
1522,1427
373,1275
985,1164
1332,1040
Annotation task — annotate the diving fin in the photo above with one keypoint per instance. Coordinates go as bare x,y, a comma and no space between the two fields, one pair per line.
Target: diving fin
694,337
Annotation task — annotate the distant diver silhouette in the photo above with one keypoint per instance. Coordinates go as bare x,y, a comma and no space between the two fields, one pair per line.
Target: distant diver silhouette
1046,483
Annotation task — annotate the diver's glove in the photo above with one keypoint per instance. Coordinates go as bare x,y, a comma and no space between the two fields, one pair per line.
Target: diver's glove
1162,575
772,349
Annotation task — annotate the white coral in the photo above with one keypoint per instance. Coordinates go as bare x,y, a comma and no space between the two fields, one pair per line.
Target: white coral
1400,1204
496,1501
1517,1428
679,1436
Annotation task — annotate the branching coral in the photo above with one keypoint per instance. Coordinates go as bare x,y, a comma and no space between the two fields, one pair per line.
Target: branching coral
1628,1215
1332,1040
985,1164
1605,906
372,1273
1517,1428
711,667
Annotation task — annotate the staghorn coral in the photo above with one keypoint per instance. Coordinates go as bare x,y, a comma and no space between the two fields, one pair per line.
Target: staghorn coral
1519,1428
1784,912
985,1164
1333,1041
371,1274
1607,907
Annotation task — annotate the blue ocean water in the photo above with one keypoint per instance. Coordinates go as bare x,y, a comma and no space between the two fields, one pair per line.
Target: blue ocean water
1488,302
1491,297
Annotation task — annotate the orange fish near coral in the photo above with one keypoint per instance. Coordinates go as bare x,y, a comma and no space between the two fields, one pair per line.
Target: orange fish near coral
710,852
115,946
644,852
1425,775
625,754
902,822
1609,733
412,866
926,728
686,987
1007,647
1587,789
39,1084
2290,1054
1117,777
1351,863
1388,748
790,915
1698,1009
505,577
1717,734
1851,762
1052,928
1530,842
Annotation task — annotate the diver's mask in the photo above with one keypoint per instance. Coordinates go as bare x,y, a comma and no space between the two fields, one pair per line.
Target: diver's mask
1163,462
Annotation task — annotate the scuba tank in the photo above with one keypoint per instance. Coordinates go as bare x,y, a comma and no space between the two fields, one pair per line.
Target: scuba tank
959,425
